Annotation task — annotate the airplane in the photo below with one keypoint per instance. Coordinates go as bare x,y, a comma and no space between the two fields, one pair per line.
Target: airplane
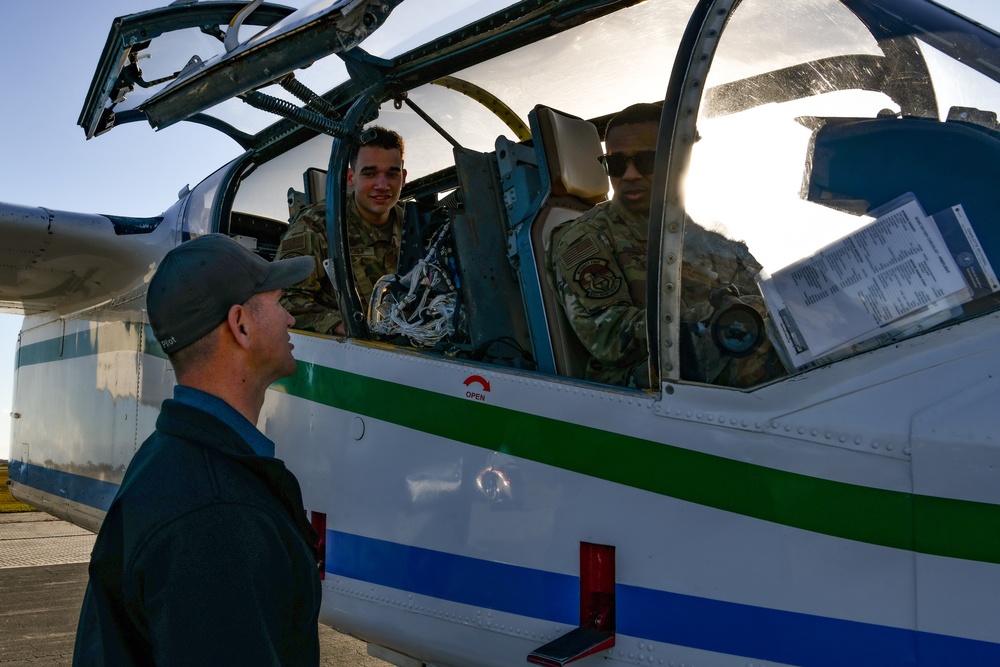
479,501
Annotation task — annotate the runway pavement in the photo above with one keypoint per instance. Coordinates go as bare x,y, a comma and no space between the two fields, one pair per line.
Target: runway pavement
43,573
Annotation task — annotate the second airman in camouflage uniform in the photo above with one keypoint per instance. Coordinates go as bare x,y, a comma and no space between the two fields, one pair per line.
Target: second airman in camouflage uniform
374,253
598,262
374,228
598,267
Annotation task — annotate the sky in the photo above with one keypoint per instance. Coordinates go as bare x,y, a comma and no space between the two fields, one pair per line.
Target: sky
49,50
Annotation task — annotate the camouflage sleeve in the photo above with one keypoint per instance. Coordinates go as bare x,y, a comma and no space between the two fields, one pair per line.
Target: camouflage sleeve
712,263
593,290
312,302
716,260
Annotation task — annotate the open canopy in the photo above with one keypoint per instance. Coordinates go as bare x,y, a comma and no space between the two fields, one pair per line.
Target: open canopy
198,61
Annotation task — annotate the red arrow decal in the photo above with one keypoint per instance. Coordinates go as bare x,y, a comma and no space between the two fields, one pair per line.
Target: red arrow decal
478,378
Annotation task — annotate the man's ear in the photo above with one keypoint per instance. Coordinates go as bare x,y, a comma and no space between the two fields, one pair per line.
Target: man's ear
350,177
240,324
402,181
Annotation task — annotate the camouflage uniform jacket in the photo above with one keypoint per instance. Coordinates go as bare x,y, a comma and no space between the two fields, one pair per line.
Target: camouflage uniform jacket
598,263
374,253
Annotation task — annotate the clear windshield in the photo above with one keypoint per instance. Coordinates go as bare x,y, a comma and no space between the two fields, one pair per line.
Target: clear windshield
839,160
565,82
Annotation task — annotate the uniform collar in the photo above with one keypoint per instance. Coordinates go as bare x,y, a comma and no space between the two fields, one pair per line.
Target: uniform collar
619,211
228,415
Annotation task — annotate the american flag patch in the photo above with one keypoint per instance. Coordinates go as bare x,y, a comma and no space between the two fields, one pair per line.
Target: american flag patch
583,249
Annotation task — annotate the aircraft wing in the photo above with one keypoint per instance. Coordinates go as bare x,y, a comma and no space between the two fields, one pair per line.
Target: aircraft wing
61,261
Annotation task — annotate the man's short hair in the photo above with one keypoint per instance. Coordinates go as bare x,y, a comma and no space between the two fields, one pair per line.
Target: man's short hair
194,355
387,139
643,112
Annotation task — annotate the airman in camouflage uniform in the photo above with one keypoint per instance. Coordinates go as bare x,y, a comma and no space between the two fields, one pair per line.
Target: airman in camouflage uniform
598,262
374,253
598,266
374,228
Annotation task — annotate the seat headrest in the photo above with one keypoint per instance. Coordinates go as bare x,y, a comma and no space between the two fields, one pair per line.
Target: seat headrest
572,146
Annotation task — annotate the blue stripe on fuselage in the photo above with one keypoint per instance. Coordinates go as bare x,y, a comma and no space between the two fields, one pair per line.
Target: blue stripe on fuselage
455,578
654,615
711,625
81,489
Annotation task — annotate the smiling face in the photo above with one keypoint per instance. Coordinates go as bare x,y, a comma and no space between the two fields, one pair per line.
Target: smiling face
377,178
633,189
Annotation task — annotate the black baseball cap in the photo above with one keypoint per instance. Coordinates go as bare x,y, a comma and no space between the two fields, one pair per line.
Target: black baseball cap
199,281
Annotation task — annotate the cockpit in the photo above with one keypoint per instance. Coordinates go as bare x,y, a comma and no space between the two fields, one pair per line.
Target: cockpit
846,144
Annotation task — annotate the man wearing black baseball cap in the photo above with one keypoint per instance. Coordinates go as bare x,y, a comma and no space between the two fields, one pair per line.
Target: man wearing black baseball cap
205,556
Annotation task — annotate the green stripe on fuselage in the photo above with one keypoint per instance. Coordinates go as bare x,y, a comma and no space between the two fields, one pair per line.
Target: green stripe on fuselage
930,525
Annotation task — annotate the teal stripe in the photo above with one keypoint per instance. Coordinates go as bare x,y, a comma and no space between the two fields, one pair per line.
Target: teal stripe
50,350
109,337
938,526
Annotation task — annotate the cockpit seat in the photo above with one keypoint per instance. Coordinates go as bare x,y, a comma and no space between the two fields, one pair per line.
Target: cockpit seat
567,148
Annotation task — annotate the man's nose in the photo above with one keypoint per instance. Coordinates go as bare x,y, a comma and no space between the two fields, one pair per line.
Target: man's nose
631,173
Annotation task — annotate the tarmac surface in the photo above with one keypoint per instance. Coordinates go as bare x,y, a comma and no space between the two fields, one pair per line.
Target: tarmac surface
43,573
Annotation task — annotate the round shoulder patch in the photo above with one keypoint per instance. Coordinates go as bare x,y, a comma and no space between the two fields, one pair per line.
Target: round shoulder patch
596,279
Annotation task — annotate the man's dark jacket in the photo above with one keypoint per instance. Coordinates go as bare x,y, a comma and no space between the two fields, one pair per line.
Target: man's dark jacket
205,557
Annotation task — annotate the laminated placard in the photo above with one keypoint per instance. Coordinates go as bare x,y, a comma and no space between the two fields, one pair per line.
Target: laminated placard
902,270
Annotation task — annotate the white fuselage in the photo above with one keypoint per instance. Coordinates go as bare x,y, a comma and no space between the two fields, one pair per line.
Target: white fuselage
454,515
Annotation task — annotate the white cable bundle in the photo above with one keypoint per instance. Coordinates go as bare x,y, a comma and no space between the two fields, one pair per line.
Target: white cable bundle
421,317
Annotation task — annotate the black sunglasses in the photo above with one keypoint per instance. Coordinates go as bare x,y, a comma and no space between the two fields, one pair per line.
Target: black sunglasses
616,165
